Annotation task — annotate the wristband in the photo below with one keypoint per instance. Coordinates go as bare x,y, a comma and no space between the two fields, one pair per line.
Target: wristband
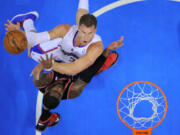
47,71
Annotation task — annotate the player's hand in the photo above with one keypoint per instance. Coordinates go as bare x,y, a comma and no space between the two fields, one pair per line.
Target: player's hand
10,26
48,62
116,44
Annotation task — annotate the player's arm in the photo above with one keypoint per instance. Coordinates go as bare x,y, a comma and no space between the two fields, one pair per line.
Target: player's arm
35,38
59,31
93,52
114,45
43,72
80,13
83,8
44,79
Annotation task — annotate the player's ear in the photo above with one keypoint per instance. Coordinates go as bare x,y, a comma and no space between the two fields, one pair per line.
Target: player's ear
95,30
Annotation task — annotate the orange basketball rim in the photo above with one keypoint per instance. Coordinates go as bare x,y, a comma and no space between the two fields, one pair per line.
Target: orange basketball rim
146,131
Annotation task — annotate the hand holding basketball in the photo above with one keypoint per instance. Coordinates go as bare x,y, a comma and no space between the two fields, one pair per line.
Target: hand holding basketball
11,27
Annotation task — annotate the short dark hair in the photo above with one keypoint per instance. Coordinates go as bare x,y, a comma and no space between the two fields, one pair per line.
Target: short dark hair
50,102
88,20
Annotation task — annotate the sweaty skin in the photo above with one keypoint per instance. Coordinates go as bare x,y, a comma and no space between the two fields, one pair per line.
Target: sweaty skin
93,51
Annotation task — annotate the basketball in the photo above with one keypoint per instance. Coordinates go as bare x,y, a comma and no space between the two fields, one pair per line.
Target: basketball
15,42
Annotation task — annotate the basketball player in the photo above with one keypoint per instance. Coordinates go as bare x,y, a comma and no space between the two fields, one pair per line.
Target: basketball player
80,59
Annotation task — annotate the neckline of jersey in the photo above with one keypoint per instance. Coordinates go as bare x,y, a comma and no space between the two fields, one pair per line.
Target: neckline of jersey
75,38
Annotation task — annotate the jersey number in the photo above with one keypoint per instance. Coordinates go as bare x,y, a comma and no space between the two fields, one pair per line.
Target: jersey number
72,59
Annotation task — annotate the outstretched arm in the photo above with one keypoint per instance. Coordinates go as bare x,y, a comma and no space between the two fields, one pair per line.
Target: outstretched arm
93,52
83,8
59,31
114,45
43,72
35,38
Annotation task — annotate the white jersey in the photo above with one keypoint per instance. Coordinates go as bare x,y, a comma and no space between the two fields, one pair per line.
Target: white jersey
63,48
68,51
49,47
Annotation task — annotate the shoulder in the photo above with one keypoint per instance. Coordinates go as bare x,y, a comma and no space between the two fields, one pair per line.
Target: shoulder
59,31
64,27
96,46
96,38
96,42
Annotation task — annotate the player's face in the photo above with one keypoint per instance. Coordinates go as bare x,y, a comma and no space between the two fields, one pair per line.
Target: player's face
86,34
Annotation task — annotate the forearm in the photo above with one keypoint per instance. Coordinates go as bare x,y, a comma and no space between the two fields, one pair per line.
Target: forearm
37,38
44,79
80,13
64,68
106,52
69,68
93,52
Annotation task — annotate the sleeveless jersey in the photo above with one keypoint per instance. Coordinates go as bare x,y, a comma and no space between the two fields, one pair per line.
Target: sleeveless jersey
68,52
49,47
62,48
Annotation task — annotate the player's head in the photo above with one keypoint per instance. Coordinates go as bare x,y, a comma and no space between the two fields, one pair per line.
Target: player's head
50,101
87,28
52,97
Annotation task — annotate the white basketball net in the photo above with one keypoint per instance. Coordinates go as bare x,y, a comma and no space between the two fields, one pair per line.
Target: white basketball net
135,94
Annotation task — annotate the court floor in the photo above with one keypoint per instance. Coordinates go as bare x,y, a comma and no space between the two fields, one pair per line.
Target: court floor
151,52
